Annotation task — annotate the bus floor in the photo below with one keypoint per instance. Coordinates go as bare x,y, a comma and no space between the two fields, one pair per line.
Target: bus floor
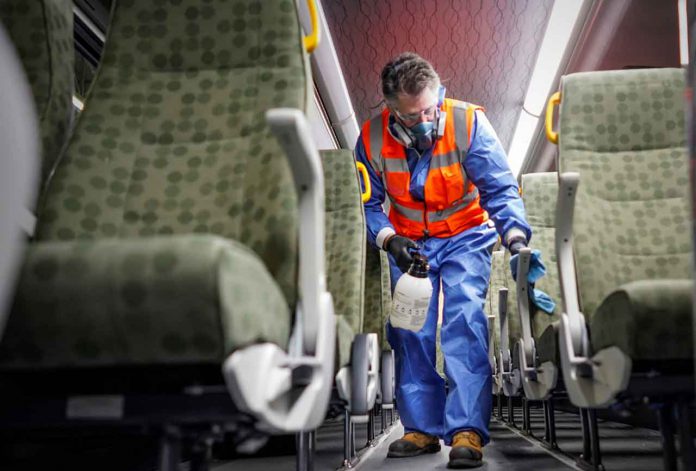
624,448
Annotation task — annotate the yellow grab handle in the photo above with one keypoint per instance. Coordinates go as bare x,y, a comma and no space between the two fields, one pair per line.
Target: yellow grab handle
311,41
552,135
366,181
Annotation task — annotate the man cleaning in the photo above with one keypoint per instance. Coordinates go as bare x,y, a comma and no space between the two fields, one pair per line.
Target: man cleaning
438,168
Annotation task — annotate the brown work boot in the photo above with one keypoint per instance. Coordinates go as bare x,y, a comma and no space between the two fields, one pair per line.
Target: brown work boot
466,451
413,444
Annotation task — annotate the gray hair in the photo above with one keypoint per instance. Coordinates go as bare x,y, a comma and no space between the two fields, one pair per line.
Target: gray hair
407,74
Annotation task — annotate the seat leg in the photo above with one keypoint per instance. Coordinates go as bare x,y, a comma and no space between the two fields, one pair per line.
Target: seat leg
686,436
594,436
348,439
510,411
669,454
549,424
371,429
526,419
500,406
591,458
585,426
170,449
201,454
383,420
305,451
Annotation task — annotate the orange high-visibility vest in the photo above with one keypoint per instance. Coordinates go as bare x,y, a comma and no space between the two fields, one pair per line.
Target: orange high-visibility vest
451,202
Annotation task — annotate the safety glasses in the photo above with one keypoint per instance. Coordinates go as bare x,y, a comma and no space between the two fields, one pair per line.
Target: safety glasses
429,113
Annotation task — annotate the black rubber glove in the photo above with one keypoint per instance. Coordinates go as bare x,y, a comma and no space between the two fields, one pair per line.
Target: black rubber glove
516,245
398,247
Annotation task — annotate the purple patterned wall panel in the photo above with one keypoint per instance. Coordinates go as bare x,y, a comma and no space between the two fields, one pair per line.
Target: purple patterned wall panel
484,50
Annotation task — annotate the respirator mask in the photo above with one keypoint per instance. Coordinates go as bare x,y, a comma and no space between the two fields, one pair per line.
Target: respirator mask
421,135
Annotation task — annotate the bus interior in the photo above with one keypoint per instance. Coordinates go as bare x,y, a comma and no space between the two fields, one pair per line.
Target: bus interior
185,277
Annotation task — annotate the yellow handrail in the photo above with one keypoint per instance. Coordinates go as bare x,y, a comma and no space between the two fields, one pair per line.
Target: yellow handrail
366,181
312,40
552,135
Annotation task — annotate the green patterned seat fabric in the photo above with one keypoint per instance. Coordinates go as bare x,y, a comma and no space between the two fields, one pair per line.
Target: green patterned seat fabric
42,31
653,318
377,294
345,246
498,281
159,300
514,325
375,314
386,287
623,131
539,192
173,138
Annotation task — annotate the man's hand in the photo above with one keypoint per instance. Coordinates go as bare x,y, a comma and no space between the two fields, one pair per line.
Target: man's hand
398,247
517,244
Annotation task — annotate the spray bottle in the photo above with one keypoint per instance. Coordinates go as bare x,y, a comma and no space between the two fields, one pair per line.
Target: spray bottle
412,295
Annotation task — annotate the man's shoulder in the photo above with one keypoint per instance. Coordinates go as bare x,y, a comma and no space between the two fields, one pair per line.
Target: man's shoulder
463,104
376,117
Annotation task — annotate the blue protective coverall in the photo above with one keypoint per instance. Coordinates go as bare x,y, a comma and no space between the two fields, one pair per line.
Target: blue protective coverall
461,264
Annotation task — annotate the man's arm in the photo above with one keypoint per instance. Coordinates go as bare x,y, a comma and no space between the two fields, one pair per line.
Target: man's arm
379,228
487,167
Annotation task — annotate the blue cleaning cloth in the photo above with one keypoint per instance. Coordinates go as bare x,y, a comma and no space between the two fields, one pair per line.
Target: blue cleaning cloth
542,300
536,270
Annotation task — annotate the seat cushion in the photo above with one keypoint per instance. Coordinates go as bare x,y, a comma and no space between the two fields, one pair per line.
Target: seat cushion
159,300
646,320
345,245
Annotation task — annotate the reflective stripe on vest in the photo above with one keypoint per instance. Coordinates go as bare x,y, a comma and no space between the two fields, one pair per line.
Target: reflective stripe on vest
451,202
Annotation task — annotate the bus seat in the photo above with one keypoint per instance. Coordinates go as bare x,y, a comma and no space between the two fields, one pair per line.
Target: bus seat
345,252
376,315
510,376
42,32
539,193
378,295
377,309
497,282
345,246
622,136
169,230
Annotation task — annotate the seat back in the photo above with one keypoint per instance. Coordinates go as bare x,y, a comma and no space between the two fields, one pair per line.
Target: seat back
539,192
345,248
623,132
42,31
498,280
173,138
514,325
376,307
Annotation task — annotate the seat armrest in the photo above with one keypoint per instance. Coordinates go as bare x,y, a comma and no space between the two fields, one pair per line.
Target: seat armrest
522,287
292,132
565,211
